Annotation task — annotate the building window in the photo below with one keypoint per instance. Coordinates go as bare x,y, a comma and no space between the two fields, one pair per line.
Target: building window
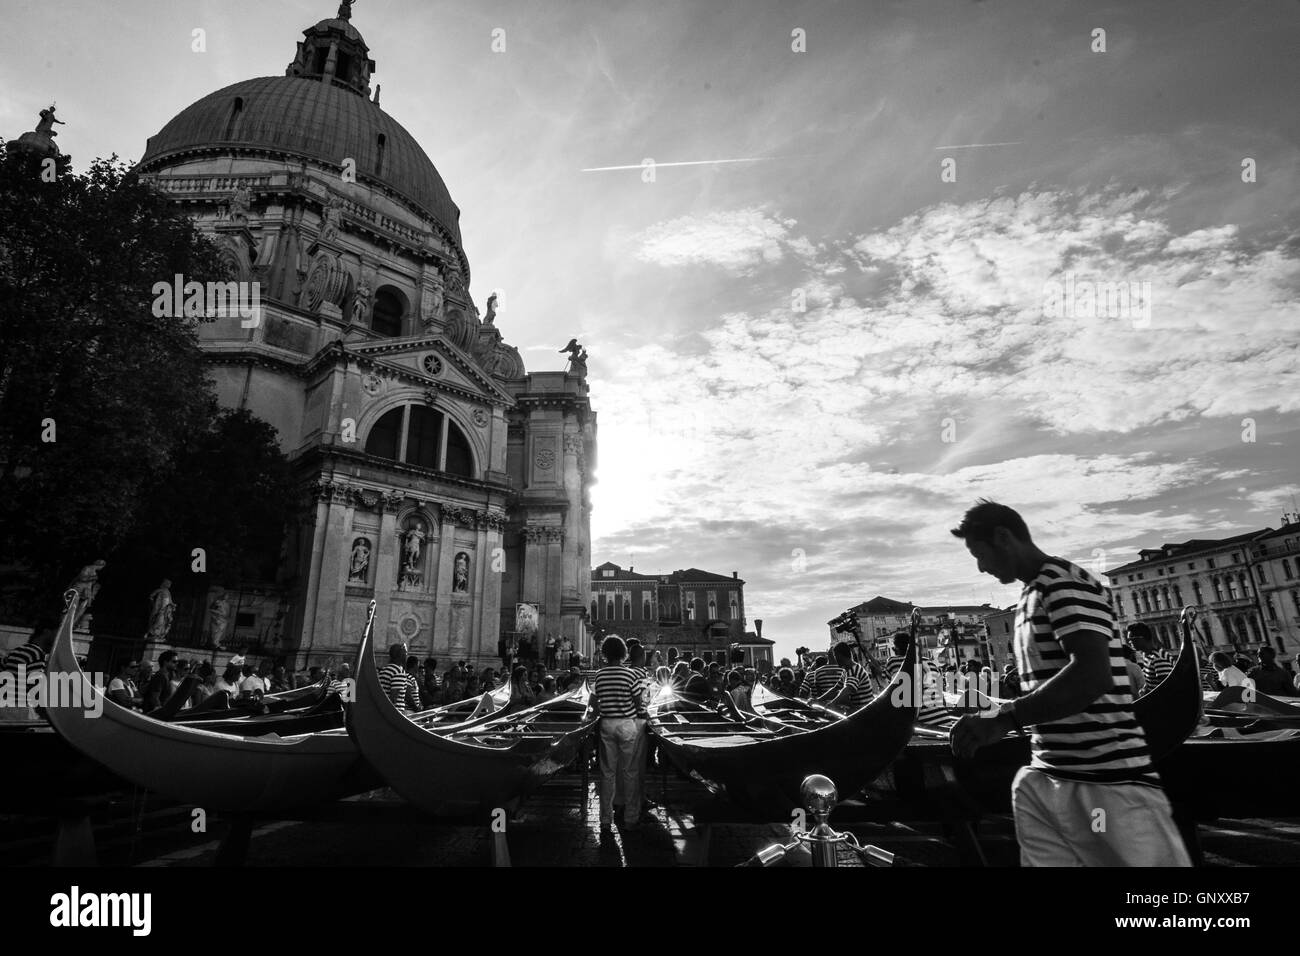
1254,628
609,609
627,609
594,608
1136,608
645,610
1196,590
386,315
379,158
607,573
1146,601
1295,601
422,436
235,110
1218,588
1259,574
690,610
1178,595
1236,559
1272,611
1209,562
1232,588
1286,568
1191,565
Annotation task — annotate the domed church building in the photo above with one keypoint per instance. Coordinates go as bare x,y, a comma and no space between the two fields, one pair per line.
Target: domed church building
438,476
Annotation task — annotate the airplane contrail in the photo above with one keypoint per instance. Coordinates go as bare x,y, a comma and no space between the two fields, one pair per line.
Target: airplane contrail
693,162
979,145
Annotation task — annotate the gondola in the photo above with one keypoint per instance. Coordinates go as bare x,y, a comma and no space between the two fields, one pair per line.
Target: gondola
219,772
928,780
760,761
478,765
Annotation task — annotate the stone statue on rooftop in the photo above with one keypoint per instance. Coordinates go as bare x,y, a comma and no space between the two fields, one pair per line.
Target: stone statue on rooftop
48,119
345,10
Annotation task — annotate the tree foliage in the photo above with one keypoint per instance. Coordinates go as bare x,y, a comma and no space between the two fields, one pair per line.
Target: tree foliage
134,415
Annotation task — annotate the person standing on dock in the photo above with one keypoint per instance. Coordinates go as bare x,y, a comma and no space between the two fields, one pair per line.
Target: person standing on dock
1156,662
398,685
616,699
1090,795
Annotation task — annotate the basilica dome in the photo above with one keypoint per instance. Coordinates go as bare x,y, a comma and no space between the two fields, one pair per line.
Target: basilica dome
320,110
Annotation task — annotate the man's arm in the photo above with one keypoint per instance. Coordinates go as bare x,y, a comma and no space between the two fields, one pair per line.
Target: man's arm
1085,678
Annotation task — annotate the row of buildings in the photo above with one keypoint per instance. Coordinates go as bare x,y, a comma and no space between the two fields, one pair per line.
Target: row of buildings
1246,587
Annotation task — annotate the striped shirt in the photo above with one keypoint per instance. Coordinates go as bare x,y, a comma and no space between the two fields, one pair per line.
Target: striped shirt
400,687
931,708
1157,666
28,656
860,688
619,691
822,681
1103,743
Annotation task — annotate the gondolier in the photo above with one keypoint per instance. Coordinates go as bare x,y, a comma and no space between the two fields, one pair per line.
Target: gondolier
398,685
617,693
1090,796
1155,661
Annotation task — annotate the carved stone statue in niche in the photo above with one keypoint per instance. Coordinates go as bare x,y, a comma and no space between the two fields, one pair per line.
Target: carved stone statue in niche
241,200
161,611
460,573
218,618
431,305
359,566
331,217
361,303
412,548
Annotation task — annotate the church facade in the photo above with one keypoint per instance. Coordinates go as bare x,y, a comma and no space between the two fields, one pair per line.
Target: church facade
437,476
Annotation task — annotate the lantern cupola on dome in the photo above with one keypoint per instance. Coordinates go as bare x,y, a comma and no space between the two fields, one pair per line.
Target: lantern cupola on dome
334,52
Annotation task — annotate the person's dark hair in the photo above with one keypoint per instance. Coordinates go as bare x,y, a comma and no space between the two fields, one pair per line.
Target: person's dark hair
981,521
1139,629
232,674
431,662
785,674
1220,660
166,657
842,651
1266,650
820,661
248,670
674,654
663,675
631,643
636,655
697,664
548,682
613,648
733,677
681,669
901,641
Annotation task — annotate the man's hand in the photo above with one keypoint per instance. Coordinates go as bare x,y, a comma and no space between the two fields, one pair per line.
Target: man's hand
970,733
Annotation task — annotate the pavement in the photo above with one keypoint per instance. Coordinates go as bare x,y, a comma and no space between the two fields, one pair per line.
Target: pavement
559,826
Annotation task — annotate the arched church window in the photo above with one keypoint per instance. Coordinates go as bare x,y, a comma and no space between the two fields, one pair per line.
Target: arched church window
385,435
379,156
421,436
645,610
459,459
386,316
627,609
594,608
609,609
690,611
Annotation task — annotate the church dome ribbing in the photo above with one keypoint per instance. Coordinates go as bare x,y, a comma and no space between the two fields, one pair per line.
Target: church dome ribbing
320,111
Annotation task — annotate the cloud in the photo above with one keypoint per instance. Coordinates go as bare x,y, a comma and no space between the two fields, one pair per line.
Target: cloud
738,241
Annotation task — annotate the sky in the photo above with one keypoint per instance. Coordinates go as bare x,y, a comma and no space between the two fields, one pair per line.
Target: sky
808,364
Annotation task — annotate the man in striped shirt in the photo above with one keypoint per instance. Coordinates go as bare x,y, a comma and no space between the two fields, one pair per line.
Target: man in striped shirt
617,697
1157,663
1090,796
931,709
857,690
398,685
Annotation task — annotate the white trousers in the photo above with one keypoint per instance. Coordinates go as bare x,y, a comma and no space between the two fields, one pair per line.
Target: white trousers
618,763
1070,823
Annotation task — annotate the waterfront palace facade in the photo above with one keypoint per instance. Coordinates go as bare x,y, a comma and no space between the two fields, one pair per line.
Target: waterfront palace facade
437,476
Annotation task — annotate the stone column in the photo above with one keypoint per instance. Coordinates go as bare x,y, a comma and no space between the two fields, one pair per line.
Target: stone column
334,572
311,593
446,554
388,549
488,613
572,544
